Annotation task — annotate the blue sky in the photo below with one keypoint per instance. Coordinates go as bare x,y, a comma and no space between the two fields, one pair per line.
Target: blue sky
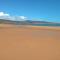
47,10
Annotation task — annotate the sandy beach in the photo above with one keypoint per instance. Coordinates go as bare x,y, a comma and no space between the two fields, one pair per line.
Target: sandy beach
29,43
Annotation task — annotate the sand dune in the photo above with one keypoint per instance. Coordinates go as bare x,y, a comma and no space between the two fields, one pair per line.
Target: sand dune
29,43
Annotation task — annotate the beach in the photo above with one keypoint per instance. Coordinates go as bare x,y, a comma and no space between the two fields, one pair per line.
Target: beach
29,43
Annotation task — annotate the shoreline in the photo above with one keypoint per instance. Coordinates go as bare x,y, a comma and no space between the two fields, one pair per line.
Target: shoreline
54,28
46,28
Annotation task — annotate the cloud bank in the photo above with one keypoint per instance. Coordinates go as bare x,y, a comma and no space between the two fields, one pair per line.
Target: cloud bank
9,17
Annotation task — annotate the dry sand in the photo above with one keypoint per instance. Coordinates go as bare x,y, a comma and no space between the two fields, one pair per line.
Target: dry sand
33,43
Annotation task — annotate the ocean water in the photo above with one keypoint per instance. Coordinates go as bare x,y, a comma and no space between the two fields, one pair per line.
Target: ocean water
46,25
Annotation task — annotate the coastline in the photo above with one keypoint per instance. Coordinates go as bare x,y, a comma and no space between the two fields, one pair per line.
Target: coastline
54,28
46,28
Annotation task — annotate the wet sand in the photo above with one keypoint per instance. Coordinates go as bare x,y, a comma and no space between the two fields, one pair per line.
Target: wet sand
29,43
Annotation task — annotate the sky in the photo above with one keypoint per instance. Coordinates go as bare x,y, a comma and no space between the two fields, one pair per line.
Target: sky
45,10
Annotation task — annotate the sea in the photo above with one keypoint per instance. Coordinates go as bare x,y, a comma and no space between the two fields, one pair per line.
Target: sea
57,25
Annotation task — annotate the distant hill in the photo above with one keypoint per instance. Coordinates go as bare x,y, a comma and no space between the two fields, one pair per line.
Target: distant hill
38,22
26,22
43,22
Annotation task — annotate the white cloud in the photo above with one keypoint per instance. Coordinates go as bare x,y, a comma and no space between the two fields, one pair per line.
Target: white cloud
9,17
4,14
20,18
23,17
